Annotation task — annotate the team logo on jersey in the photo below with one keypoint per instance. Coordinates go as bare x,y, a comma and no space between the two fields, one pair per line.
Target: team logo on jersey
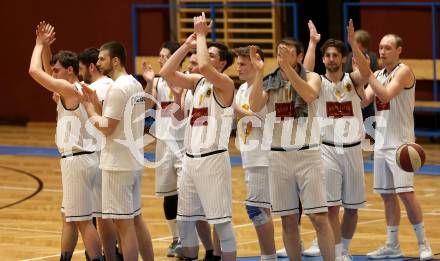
137,99
248,131
208,92
201,98
167,109
245,106
199,117
287,94
170,94
339,109
285,110
244,131
348,87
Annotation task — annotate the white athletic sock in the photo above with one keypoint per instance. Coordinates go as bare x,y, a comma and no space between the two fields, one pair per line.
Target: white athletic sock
172,225
392,235
420,232
346,245
272,257
338,250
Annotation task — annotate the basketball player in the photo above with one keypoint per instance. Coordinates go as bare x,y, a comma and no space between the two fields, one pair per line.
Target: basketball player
193,66
295,163
213,251
282,252
339,106
121,163
90,74
205,191
169,132
78,161
393,91
255,160
69,232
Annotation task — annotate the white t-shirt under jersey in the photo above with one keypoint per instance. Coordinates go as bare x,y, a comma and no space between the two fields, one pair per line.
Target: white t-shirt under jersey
101,86
123,150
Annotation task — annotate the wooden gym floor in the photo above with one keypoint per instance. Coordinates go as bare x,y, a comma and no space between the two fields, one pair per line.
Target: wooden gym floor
30,198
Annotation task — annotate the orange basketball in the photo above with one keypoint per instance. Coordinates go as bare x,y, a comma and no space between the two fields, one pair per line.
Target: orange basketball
410,157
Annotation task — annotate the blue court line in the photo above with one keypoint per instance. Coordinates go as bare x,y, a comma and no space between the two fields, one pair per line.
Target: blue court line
235,160
355,258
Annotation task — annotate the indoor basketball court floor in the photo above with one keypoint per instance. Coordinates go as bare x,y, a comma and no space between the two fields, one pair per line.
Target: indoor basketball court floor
30,192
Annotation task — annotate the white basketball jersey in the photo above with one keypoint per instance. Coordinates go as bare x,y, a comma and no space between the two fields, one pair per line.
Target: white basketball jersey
188,100
395,122
210,123
291,131
71,135
339,105
248,135
101,87
167,126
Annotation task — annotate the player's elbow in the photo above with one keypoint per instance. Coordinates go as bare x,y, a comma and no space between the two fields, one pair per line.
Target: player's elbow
107,131
364,103
204,68
255,106
384,98
32,71
310,97
164,72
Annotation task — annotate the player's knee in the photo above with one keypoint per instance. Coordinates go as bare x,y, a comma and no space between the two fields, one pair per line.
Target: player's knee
170,207
188,234
83,225
257,215
352,212
333,211
319,220
226,236
389,197
406,196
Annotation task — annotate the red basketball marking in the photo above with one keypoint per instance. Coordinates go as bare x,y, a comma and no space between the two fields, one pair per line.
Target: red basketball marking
405,161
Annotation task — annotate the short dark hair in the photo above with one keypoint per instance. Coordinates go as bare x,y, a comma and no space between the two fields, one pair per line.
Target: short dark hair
89,56
362,37
224,53
339,45
53,59
66,59
115,49
245,52
171,45
294,43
